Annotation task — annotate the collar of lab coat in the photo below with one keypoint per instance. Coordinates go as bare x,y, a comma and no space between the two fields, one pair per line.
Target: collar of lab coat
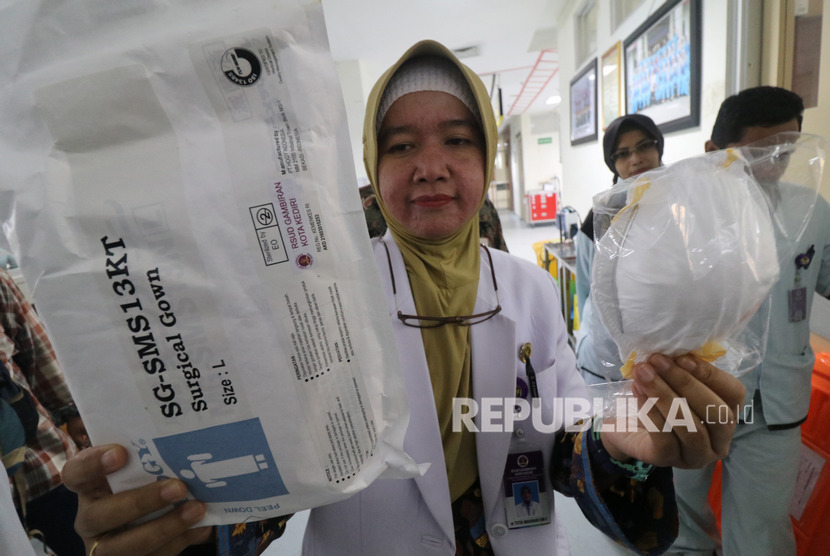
423,439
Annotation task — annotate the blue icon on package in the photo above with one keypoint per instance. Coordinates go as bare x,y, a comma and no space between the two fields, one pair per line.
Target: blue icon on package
225,463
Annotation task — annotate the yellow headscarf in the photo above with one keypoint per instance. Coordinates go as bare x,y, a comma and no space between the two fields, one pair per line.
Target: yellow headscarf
443,274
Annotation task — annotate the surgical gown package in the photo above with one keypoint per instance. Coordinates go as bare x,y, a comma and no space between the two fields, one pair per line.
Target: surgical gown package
687,253
179,188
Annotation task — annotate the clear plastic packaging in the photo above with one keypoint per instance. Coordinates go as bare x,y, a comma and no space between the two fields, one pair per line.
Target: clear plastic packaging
687,253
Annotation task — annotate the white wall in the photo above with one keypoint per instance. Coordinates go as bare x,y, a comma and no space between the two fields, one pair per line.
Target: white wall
817,120
351,83
517,164
584,170
540,163
356,81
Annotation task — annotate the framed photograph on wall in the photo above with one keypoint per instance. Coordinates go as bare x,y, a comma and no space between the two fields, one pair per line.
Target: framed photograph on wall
662,66
584,105
611,90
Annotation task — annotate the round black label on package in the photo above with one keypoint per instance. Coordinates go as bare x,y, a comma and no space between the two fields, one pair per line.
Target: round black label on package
241,66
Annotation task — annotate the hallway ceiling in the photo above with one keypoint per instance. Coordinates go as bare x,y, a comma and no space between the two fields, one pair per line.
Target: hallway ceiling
511,43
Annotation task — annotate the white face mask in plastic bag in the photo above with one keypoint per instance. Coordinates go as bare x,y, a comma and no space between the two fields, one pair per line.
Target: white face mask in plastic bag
691,257
180,192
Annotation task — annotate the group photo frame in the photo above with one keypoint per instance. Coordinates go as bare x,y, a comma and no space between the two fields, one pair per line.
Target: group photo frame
662,66
583,97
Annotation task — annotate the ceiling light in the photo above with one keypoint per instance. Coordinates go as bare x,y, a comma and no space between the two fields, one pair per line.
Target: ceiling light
555,99
467,51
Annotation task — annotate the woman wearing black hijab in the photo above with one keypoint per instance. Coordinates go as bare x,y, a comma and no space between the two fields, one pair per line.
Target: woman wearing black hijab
632,144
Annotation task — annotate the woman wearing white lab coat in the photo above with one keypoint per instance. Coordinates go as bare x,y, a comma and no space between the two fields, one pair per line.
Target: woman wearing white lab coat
414,157
370,522
420,170
429,146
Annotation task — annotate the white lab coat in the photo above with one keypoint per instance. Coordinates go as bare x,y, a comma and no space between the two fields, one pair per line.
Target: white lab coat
13,538
413,516
528,510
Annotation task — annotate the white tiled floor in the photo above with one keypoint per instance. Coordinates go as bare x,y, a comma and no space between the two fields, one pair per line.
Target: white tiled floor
520,236
584,539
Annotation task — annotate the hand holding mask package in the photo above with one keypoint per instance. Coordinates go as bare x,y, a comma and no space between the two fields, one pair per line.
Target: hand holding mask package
687,253
180,192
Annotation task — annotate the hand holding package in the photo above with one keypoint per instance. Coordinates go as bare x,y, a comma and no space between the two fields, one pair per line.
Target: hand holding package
180,192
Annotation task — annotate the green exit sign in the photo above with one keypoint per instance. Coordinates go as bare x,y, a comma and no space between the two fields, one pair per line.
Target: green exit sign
545,140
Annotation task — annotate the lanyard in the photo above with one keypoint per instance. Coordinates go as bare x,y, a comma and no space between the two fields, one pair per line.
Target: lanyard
524,357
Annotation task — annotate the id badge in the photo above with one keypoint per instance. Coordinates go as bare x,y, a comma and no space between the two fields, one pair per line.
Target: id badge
797,306
527,502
